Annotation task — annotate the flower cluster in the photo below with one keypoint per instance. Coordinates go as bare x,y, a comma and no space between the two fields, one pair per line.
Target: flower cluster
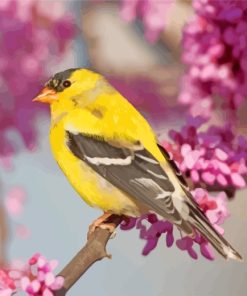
31,36
152,228
212,157
36,278
7,285
215,52
152,12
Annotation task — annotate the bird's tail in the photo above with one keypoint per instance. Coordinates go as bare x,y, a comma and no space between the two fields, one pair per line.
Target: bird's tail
202,224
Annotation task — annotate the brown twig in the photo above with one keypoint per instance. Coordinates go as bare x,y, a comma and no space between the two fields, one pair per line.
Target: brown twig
93,251
229,190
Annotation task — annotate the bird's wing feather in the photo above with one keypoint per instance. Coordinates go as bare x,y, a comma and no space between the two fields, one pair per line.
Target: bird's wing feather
175,168
134,171
188,198
199,219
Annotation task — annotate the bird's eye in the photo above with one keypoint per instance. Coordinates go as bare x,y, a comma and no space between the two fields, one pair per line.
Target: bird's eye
66,83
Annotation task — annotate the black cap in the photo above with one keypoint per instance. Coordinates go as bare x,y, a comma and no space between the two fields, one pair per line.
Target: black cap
56,82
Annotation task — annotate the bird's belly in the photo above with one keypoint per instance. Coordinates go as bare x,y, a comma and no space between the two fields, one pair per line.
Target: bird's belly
94,189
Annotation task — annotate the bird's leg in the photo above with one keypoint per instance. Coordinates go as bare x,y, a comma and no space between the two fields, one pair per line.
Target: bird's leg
102,223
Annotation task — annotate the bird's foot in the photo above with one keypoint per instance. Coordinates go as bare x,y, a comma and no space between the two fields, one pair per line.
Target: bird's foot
102,223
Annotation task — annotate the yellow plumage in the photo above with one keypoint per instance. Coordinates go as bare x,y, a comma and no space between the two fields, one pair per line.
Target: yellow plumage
110,155
126,126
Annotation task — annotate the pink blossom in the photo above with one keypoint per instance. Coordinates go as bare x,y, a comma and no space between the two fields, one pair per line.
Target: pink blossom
154,232
30,37
214,156
152,228
238,180
186,243
214,51
35,278
214,207
7,286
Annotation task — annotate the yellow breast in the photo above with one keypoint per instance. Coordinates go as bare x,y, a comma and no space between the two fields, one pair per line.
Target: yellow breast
95,190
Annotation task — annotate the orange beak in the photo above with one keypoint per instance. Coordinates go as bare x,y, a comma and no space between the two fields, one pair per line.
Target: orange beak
47,96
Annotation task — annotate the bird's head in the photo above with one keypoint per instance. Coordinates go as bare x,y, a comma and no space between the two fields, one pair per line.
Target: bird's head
67,86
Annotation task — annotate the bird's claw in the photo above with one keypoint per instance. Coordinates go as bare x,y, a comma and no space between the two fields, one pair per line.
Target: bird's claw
103,225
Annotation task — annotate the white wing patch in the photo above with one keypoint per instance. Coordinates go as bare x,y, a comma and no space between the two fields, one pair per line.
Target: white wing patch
151,183
150,160
109,161
157,175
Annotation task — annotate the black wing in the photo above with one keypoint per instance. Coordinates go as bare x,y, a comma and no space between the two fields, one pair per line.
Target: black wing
135,172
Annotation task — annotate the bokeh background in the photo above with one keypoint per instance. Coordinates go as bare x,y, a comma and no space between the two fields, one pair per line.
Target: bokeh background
40,211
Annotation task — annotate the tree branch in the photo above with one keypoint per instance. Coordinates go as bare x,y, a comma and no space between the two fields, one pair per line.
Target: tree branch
229,190
93,251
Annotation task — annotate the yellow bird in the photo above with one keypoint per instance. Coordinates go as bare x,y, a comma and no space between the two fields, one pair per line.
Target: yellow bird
111,156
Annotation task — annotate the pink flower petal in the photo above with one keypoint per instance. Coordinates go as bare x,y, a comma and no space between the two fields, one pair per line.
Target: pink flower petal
221,180
208,177
199,194
220,154
41,262
212,216
150,245
41,276
191,158
207,251
186,148
35,286
34,270
58,284
224,168
49,279
34,259
194,176
25,281
128,223
238,180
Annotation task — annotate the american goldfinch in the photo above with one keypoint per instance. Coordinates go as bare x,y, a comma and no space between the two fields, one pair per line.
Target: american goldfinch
111,156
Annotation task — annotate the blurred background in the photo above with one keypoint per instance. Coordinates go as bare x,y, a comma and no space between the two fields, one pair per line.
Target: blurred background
40,212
